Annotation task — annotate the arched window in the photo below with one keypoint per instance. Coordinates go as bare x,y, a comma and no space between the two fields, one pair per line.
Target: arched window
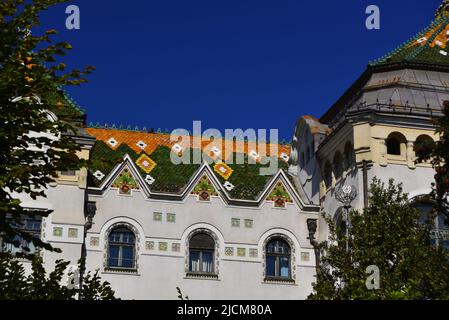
440,231
338,165
423,144
396,144
349,156
278,255
121,249
201,254
327,175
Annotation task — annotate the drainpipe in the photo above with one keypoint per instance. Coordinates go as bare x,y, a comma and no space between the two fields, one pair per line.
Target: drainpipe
365,183
89,213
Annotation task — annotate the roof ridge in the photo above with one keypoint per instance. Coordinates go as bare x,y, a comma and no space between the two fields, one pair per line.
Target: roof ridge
418,50
144,130
404,44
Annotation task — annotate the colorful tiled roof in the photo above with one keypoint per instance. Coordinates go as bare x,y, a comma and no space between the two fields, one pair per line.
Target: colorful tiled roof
151,153
430,46
316,126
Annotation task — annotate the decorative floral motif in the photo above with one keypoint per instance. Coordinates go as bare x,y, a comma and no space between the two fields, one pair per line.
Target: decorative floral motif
163,246
305,256
204,189
223,170
171,217
149,179
420,40
241,252
176,247
112,142
157,216
285,157
142,145
176,148
99,175
149,245
73,233
145,163
229,186
229,251
57,232
253,154
280,196
235,222
216,151
253,253
94,241
125,182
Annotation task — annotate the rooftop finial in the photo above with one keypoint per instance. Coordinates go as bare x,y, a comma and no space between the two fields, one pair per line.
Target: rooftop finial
443,10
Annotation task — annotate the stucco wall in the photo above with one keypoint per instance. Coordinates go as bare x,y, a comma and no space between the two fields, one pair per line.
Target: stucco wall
160,272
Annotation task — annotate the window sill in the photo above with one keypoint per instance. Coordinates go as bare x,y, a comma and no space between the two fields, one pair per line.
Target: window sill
396,159
121,271
201,276
283,281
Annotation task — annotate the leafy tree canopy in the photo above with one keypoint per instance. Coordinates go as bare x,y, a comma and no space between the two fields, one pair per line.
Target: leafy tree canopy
387,234
17,284
34,146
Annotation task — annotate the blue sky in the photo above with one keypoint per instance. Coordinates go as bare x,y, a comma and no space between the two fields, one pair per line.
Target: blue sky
231,64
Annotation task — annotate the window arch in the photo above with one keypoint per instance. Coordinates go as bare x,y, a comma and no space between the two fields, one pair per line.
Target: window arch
396,144
422,144
121,248
348,156
278,257
338,165
202,250
327,175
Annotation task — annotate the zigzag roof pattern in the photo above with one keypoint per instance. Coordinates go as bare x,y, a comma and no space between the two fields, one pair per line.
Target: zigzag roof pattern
151,153
429,47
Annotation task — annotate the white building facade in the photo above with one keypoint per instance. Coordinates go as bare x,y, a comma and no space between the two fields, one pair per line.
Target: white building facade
223,231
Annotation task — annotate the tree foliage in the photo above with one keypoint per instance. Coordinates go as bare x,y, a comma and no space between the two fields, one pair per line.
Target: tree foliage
438,155
18,284
389,235
34,146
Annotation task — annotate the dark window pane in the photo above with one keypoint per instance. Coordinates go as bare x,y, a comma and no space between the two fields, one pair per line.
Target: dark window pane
271,266
113,262
128,253
278,246
127,263
114,252
202,241
394,146
128,238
